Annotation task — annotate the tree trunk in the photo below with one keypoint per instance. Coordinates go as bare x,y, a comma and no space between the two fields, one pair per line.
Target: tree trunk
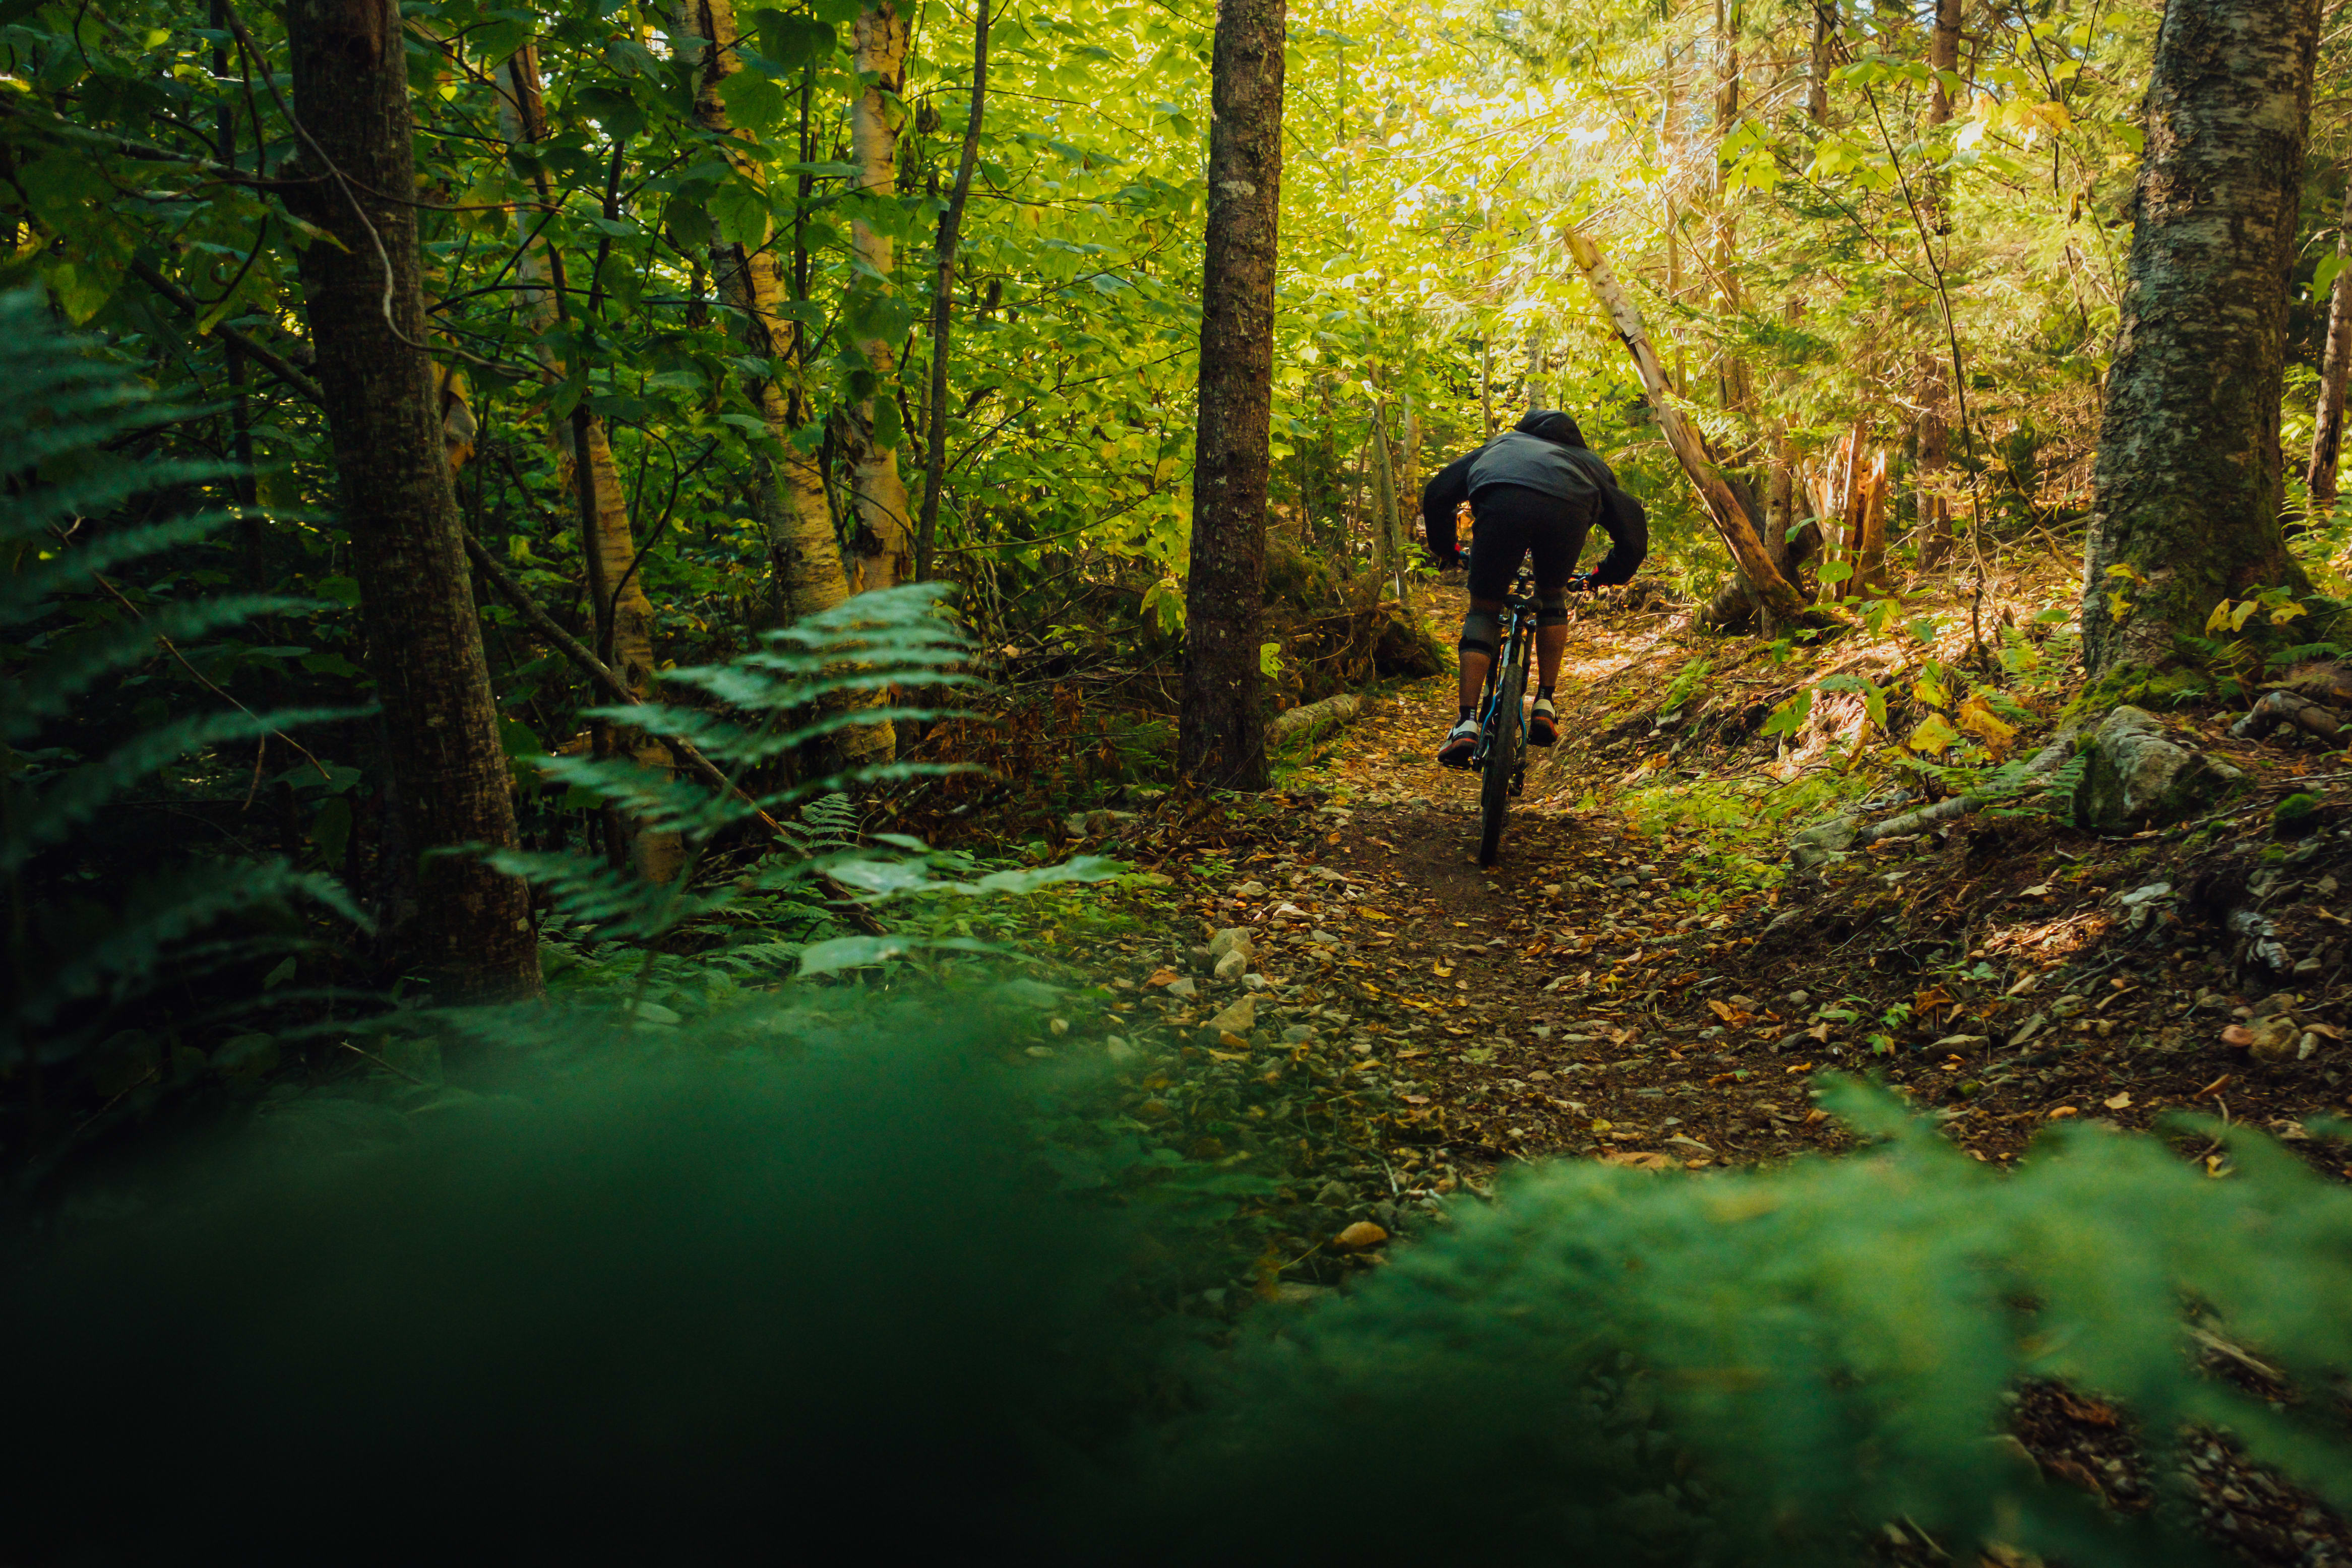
470,932
1817,79
1944,55
803,550
1935,432
1781,603
2188,483
1535,385
1870,533
2334,369
886,545
935,468
1387,519
1221,733
1734,387
623,612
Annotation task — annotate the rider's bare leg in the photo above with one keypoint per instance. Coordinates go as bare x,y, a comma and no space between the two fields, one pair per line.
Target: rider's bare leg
1474,662
1551,642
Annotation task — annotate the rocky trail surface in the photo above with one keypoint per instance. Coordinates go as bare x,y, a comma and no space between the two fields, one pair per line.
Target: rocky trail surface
1331,992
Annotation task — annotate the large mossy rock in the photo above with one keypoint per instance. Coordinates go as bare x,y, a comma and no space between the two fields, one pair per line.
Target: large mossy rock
1403,648
2138,776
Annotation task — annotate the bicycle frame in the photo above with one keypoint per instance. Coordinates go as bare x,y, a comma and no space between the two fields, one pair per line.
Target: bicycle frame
1519,644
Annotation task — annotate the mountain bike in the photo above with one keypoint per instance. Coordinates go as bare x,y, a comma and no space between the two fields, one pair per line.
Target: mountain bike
1501,760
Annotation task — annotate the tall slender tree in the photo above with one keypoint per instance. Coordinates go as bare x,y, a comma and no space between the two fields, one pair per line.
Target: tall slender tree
1220,732
468,929
2189,482
2334,371
624,611
935,465
805,571
887,544
1933,368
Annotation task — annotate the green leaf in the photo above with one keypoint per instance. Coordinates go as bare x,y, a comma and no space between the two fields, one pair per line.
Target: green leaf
740,209
793,42
754,102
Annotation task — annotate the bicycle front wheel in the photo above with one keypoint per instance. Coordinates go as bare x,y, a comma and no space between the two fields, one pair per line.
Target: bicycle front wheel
1501,759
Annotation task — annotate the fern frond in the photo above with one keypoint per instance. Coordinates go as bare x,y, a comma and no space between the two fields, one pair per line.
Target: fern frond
663,804
34,698
830,821
618,905
21,595
100,491
162,911
50,816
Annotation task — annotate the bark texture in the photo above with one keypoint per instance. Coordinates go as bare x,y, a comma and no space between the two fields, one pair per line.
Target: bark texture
887,543
804,562
470,932
2188,483
2334,369
1221,735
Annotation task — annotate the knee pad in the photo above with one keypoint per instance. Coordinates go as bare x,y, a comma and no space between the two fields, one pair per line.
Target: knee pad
1551,608
1482,632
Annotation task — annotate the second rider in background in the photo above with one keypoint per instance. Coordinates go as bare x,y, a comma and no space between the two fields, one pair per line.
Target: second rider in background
1535,489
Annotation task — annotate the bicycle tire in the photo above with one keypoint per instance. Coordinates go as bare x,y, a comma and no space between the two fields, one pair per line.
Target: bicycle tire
1502,758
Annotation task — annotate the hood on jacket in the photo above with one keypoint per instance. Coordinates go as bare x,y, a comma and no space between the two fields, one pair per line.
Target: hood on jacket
1552,425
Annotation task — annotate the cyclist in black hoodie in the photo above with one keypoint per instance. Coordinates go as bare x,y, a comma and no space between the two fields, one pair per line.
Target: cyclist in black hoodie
1540,489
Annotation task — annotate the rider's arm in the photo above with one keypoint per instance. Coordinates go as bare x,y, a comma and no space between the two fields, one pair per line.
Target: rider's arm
1629,546
1446,490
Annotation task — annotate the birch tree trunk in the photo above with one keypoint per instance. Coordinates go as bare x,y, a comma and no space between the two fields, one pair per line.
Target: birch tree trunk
803,550
624,613
1221,731
469,929
2334,369
886,546
1779,602
2187,483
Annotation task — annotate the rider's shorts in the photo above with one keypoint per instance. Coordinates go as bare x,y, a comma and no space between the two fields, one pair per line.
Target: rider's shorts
1514,522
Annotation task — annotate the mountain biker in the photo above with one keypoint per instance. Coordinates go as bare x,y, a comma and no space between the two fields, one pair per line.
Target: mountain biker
1537,488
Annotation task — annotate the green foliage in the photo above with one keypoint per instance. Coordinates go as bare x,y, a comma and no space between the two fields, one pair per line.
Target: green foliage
662,1284
766,707
83,951
1754,1369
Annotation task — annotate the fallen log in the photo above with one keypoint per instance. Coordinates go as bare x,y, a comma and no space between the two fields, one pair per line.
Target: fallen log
1826,841
2288,707
1313,717
1778,602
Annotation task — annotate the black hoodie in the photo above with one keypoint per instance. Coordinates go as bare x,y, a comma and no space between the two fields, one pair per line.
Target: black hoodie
1546,453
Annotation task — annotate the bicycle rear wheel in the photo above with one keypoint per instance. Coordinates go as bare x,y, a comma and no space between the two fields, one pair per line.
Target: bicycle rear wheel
1502,757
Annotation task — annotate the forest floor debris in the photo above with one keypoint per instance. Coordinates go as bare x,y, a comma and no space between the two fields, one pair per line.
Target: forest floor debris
1641,980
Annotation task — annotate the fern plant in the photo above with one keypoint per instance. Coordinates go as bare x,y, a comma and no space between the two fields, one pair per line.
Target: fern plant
80,953
764,705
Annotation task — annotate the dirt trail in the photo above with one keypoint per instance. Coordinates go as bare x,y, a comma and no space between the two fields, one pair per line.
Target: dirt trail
1637,979
1561,999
